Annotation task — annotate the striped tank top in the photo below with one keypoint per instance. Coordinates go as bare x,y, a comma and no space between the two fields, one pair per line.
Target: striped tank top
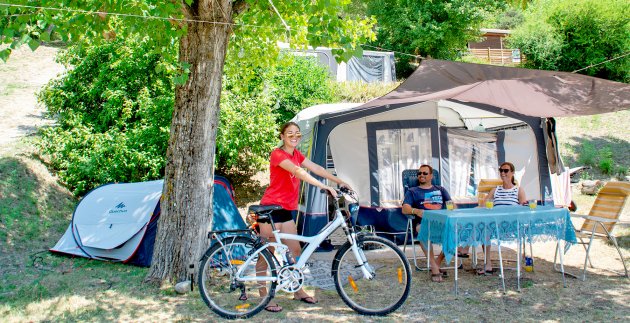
504,196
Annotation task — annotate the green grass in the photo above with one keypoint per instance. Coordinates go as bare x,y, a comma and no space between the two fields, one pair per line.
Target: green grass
599,141
30,208
18,199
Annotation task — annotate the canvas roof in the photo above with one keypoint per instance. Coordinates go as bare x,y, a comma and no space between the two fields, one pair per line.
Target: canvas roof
535,93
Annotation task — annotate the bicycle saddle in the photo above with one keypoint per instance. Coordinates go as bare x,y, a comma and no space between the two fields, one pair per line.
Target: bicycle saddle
263,208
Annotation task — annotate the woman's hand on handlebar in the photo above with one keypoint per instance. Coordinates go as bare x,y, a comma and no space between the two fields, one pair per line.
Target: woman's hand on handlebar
343,185
330,190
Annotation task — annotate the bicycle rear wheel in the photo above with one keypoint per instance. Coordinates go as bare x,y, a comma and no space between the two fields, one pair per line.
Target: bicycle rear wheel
226,296
389,287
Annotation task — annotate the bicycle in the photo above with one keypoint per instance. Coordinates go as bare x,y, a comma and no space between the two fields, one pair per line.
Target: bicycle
371,274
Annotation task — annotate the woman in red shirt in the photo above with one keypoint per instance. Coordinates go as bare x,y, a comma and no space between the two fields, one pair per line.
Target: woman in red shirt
286,170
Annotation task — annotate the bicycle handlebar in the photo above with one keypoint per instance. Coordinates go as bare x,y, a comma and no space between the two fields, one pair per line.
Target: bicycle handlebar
340,191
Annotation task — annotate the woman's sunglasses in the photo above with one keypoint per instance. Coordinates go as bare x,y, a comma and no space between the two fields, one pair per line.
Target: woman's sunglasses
504,170
294,135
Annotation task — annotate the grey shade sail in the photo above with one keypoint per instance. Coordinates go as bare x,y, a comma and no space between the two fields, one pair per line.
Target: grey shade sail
535,93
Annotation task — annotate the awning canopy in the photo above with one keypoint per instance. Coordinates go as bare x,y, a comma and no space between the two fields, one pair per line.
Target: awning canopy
529,92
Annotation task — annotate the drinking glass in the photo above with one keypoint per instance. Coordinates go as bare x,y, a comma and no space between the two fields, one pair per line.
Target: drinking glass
480,199
489,204
532,204
449,205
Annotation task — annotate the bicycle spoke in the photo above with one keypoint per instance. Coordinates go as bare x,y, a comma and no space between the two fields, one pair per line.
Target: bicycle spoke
389,287
231,297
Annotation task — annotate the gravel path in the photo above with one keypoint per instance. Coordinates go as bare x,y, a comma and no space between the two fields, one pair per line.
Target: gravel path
20,79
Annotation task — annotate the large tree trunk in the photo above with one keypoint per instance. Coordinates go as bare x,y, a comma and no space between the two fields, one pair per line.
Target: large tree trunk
187,195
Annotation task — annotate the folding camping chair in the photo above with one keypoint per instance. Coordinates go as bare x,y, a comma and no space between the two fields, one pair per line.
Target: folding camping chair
410,179
601,220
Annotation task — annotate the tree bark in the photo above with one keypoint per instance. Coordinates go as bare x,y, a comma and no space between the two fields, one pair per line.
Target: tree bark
187,195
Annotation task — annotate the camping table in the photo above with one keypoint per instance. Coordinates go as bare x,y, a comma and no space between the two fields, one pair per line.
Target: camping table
480,226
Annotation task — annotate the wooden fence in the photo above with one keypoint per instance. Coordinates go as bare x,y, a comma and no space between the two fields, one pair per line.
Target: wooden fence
498,56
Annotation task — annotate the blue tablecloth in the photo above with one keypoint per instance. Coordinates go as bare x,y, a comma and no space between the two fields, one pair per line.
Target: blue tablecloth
481,226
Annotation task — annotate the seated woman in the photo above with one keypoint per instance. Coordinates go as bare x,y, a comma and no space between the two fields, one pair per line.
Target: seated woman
508,193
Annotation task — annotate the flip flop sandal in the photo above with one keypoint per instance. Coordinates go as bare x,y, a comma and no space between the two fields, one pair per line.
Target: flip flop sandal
437,278
273,308
463,255
444,273
307,300
485,272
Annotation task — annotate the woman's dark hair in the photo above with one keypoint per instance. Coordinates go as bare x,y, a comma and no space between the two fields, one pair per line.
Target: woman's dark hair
285,126
511,170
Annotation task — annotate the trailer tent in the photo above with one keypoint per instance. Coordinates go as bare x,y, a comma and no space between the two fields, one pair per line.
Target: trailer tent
118,222
463,119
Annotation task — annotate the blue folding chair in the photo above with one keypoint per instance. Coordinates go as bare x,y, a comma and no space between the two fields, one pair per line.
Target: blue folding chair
410,179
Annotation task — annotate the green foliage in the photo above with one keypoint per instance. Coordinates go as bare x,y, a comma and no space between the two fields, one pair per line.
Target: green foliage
246,132
621,172
113,110
299,83
77,23
587,154
606,163
312,23
359,91
567,35
510,19
439,29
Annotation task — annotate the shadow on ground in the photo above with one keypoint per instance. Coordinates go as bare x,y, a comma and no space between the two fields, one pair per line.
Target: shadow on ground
590,151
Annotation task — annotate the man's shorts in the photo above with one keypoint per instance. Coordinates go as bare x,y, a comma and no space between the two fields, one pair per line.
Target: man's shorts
415,222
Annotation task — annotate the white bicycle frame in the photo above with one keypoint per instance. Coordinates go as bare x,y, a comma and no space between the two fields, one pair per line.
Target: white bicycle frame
313,243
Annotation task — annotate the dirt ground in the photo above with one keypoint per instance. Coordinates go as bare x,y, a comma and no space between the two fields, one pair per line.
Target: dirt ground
24,73
602,297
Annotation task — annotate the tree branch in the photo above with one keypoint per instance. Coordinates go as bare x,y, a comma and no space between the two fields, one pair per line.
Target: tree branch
239,7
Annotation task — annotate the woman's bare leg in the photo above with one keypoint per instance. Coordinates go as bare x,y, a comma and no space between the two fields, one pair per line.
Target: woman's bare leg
296,251
261,266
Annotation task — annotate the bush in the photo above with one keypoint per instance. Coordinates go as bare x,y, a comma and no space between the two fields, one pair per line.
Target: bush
246,132
297,83
113,111
114,108
606,163
587,154
567,35
359,91
621,172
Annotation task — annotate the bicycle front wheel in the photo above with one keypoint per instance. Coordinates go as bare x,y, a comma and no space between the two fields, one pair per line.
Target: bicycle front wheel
389,287
230,297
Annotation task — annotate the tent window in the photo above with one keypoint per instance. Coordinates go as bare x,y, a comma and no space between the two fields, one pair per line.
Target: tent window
397,150
473,156
367,69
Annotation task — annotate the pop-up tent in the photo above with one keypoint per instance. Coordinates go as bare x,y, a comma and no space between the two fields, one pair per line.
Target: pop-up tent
118,222
463,119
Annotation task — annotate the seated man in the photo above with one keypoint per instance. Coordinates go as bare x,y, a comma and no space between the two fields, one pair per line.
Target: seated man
426,196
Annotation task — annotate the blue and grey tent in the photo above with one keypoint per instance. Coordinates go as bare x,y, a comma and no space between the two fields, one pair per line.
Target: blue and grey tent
463,119
118,222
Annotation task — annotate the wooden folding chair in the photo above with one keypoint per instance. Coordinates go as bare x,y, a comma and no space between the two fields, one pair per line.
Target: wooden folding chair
601,220
483,189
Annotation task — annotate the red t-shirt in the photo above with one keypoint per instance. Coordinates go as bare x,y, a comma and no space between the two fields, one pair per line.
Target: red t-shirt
283,186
